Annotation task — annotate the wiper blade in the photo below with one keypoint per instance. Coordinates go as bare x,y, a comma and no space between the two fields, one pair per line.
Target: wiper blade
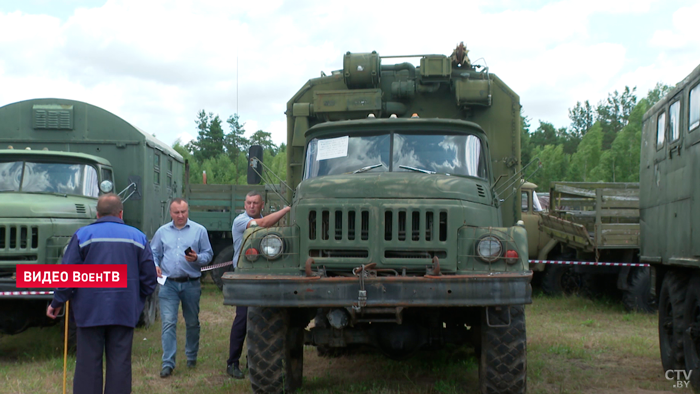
417,169
365,169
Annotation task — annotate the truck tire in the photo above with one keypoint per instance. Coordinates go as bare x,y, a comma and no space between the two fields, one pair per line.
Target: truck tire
503,359
561,279
671,310
637,296
275,351
151,310
691,333
223,256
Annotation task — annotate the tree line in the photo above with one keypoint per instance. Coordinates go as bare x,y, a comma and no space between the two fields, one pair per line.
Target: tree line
602,143
223,155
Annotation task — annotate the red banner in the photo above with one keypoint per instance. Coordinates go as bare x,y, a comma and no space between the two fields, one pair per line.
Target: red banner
71,275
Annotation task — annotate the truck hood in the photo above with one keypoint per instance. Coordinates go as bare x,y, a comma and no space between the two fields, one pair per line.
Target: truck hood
34,205
396,185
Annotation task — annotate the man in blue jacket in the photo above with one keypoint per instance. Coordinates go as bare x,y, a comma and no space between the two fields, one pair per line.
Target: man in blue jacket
106,317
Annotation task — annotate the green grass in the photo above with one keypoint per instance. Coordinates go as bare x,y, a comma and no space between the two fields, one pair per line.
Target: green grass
575,345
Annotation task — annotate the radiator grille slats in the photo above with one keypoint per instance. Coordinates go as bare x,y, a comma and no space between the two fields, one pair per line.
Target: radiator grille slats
398,225
415,225
18,237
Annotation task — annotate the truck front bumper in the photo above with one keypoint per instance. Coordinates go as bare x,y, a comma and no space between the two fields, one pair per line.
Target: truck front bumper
493,289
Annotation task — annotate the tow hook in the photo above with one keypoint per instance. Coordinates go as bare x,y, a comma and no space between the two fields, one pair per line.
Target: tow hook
362,293
434,270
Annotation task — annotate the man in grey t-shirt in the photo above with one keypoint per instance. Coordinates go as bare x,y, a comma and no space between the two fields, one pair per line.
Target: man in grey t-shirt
253,207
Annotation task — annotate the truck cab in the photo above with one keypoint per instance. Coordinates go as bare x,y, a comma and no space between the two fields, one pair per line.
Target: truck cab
45,196
537,240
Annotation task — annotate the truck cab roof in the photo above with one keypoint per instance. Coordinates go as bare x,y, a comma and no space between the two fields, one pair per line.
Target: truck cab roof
453,126
52,155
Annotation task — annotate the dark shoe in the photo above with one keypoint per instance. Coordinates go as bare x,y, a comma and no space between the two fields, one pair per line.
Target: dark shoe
234,372
191,363
165,372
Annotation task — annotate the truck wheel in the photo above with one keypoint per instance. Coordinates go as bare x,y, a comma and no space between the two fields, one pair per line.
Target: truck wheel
151,309
671,310
691,335
503,360
561,279
223,256
275,351
637,296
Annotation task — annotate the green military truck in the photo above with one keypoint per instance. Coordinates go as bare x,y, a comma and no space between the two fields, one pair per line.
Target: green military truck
587,242
670,241
396,238
58,156
214,207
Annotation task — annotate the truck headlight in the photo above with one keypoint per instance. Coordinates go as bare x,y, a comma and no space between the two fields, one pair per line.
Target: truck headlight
489,248
271,246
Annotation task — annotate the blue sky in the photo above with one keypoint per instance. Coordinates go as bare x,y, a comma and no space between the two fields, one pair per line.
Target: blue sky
157,63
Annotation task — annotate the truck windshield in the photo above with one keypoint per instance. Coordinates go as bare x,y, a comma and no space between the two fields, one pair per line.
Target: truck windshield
43,177
421,153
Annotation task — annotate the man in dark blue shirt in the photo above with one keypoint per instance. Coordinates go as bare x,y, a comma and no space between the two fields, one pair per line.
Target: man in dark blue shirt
106,317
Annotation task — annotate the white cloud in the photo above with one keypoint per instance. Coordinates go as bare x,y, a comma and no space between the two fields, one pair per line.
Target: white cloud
185,138
157,63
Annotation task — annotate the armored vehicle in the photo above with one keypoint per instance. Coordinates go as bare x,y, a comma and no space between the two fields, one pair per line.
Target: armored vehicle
59,156
397,237
670,237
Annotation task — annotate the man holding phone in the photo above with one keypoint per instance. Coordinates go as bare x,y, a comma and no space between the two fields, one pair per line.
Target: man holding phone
180,249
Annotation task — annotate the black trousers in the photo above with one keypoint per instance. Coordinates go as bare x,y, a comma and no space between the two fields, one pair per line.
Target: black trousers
238,331
115,343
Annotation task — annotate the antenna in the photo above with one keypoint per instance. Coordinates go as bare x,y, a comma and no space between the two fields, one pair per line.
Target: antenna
237,81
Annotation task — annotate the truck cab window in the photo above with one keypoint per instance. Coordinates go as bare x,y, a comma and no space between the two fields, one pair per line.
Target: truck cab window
454,154
524,201
536,206
444,154
46,177
362,151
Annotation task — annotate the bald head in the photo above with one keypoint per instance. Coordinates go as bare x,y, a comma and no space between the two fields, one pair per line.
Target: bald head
109,205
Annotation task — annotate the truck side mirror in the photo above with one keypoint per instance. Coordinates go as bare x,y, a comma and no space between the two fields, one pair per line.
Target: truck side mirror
255,167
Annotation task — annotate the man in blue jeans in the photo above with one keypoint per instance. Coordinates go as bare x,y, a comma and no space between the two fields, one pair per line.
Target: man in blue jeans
180,249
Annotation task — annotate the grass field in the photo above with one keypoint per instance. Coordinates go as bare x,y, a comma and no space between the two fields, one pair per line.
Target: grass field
575,345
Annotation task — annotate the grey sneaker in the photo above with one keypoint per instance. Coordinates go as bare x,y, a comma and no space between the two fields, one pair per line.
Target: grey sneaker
234,371
191,363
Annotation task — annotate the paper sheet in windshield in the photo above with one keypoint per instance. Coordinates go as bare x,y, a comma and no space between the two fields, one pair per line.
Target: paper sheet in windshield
332,148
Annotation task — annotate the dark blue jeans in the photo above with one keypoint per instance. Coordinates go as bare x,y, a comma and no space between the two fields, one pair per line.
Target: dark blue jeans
170,296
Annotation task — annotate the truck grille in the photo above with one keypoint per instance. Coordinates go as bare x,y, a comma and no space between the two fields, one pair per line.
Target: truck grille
399,225
13,237
415,225
356,225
